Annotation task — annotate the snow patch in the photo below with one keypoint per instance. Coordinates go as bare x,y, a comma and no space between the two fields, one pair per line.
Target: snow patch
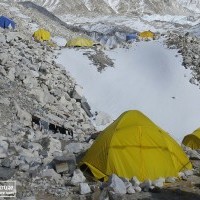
60,41
148,77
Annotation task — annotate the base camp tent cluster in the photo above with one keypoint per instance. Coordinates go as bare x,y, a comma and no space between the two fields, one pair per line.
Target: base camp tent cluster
134,146
142,35
6,23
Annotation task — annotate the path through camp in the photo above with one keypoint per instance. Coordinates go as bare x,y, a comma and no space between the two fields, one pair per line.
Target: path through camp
148,77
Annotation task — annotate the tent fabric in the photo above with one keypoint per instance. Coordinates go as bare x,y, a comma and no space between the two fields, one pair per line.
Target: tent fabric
131,37
42,35
192,140
6,22
134,146
80,42
146,34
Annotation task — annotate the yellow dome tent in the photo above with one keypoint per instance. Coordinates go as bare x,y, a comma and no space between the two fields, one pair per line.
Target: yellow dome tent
80,42
147,35
134,146
42,35
192,140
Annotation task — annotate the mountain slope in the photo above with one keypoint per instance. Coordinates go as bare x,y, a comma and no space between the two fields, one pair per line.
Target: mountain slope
114,6
193,5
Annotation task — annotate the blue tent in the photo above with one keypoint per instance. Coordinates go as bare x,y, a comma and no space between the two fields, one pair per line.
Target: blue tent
6,22
131,36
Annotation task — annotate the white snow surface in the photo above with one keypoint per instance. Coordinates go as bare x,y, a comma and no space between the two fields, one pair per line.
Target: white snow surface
147,77
59,41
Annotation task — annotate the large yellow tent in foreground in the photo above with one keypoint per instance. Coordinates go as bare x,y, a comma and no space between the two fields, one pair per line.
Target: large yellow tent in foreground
192,140
80,42
42,35
134,146
147,35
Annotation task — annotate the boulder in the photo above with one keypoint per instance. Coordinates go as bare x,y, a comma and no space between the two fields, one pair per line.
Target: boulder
188,172
4,144
102,119
76,147
3,153
6,162
6,173
134,181
193,154
24,167
40,95
65,163
61,167
146,185
3,58
84,188
5,101
158,182
54,145
182,176
77,92
11,74
137,188
51,174
170,180
116,184
77,177
129,188
24,116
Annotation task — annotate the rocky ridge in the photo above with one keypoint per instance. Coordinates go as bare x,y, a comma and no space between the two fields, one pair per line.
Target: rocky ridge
189,48
40,120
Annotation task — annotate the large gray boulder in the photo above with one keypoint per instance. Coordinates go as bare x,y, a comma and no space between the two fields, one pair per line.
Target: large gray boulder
84,188
116,184
6,173
50,173
146,185
158,182
77,177
65,163
76,147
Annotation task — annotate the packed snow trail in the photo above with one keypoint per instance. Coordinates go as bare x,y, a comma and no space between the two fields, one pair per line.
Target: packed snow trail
148,77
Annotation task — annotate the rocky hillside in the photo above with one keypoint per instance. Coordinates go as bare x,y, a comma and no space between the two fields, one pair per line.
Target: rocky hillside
40,117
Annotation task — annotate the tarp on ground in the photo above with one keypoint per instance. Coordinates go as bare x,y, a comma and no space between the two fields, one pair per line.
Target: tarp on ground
131,36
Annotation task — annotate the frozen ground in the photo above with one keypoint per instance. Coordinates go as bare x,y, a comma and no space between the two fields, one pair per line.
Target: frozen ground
148,77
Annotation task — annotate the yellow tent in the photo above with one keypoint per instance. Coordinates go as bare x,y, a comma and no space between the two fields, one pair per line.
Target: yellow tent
192,140
80,42
146,35
134,146
41,35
